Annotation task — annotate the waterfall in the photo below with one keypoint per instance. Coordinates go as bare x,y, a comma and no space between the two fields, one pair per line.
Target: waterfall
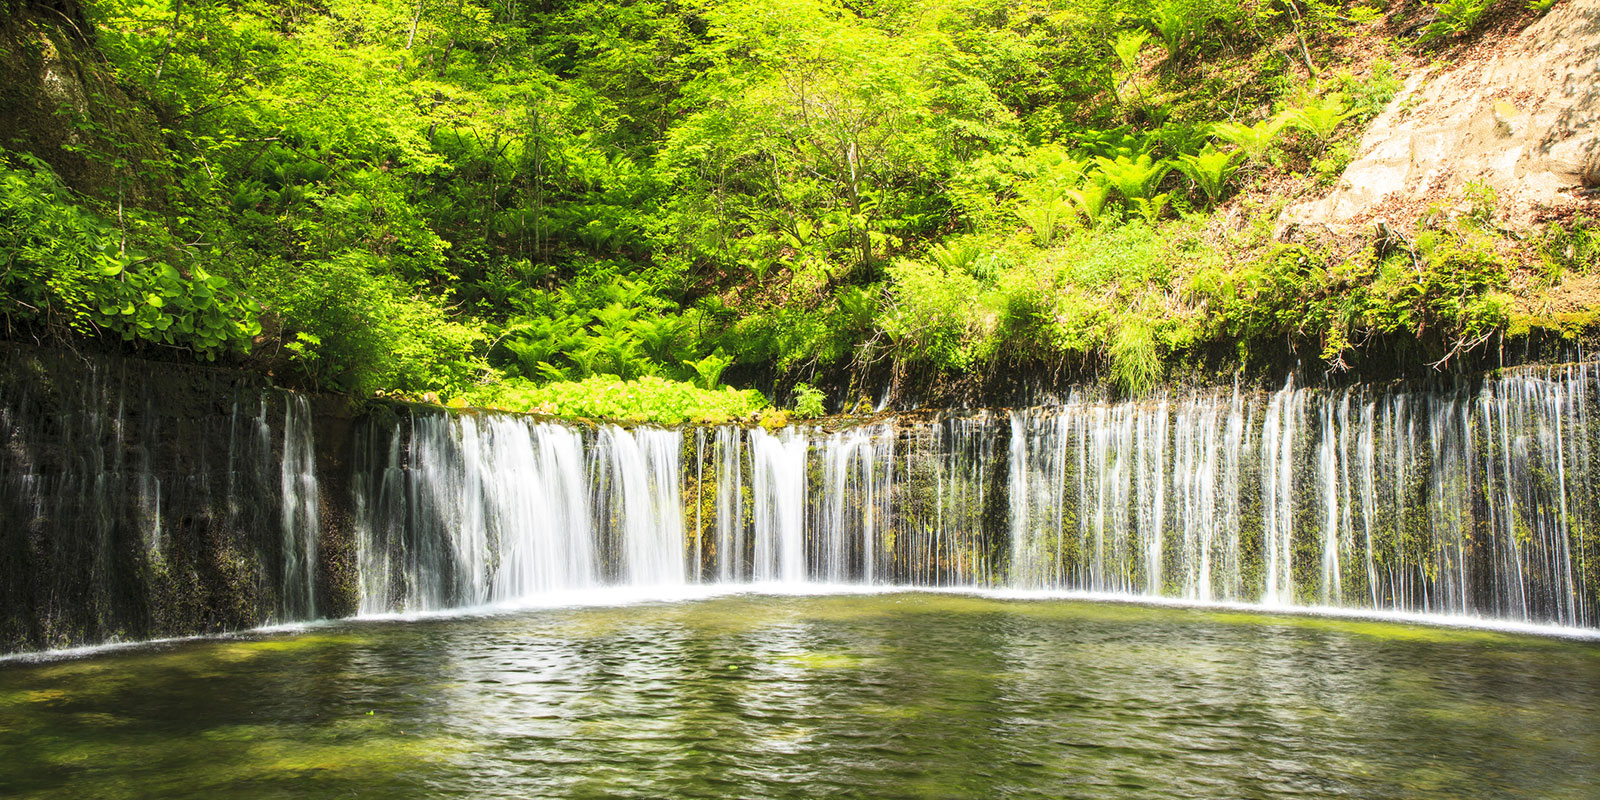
1468,499
857,481
138,503
467,510
730,514
645,466
1278,495
298,479
130,510
778,486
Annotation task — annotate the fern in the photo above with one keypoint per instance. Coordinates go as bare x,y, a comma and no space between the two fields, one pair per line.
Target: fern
856,308
1128,46
1181,138
615,315
808,401
1254,140
1133,178
585,360
1151,208
1044,218
659,336
1320,120
957,255
1090,200
528,353
535,340
550,372
621,356
1453,18
1113,143
1176,23
709,369
1210,170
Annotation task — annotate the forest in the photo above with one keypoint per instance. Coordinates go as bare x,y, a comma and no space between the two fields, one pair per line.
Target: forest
708,210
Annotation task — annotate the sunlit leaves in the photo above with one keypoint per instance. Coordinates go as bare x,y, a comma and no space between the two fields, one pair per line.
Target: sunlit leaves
1127,47
1253,140
1210,170
1133,178
1321,118
70,270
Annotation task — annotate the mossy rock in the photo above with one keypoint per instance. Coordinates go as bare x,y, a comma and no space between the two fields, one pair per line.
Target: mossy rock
60,103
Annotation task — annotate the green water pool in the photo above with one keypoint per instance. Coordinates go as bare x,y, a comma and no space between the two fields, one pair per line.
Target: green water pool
879,695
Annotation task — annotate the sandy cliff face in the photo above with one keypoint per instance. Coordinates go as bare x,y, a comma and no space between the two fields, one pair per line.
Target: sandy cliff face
1521,115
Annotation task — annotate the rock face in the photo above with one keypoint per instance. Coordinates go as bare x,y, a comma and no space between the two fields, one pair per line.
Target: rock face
1522,116
142,499
60,102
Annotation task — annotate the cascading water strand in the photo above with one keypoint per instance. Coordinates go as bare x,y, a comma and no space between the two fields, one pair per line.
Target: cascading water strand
1458,501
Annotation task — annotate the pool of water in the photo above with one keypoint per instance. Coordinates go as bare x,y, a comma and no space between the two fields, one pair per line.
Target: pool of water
891,695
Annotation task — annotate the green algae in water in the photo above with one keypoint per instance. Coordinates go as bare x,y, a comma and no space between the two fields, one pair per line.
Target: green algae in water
894,695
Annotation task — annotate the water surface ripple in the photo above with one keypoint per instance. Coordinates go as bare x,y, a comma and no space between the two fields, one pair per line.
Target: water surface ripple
891,695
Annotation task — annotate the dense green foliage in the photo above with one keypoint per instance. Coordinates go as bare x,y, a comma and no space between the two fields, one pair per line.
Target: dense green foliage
647,399
499,200
68,268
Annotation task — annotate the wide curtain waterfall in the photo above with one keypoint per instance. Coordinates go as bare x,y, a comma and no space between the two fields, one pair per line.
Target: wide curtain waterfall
1475,499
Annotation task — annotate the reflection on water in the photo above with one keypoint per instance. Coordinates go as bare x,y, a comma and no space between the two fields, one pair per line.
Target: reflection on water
895,695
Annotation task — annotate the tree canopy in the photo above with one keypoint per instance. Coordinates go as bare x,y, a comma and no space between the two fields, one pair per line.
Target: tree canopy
489,200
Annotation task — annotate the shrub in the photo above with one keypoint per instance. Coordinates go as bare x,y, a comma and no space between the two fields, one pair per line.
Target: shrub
648,399
935,316
368,331
1453,18
1573,246
1125,256
1368,98
66,269
808,401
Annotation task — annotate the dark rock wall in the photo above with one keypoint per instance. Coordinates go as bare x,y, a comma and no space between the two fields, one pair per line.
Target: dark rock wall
141,500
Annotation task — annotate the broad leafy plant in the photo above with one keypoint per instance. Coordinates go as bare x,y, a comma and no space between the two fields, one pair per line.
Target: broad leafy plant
71,269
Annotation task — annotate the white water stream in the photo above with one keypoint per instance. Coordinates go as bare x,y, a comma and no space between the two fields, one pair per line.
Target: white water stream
1472,501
